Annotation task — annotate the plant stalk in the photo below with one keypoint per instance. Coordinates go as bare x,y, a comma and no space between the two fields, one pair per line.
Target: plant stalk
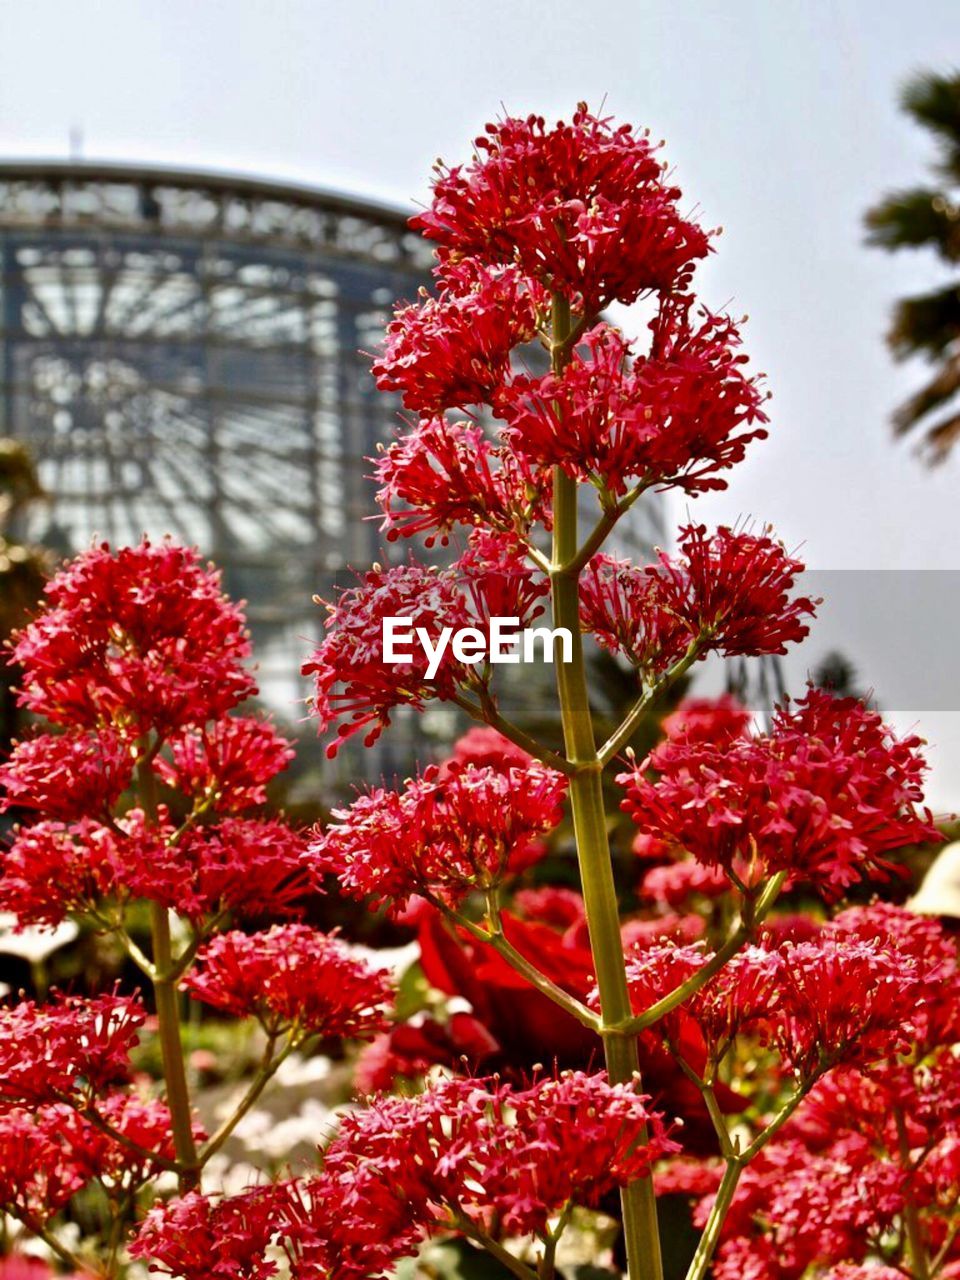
168,1011
641,1233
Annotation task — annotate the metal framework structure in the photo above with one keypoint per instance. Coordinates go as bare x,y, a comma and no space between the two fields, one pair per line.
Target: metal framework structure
183,353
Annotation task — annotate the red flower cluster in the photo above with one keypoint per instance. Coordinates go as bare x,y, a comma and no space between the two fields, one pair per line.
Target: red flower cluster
728,594
402,1168
454,350
848,994
226,765
249,866
860,1146
184,1235
582,208
68,1048
715,720
442,836
292,975
816,1208
825,795
491,579
76,774
676,416
442,473
142,638
39,1171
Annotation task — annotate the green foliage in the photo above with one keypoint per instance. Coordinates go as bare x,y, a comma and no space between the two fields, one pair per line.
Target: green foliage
928,324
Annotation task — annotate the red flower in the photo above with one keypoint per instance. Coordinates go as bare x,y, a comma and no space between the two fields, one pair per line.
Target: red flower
440,836
582,208
142,638
840,1000
248,866
292,975
677,882
454,350
519,1153
345,1225
676,416
733,589
354,682
529,1028
38,1171
715,720
196,1237
794,1210
71,1046
52,869
251,867
77,774
825,795
620,606
729,594
227,763
142,1121
487,748
441,474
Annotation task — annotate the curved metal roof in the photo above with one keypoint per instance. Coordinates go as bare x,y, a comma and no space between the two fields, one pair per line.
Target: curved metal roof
155,199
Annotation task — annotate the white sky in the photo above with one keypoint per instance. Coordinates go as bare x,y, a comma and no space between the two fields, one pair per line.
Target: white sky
780,120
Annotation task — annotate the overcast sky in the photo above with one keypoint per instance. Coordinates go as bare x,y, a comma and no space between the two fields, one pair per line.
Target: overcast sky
780,121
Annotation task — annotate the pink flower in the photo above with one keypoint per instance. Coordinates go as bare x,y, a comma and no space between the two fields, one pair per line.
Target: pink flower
292,975
77,774
440,836
453,350
583,208
677,882
486,747
142,638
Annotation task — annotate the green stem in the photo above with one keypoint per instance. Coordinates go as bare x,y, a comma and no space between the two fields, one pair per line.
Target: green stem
487,713
619,739
514,1265
916,1246
641,1233
737,1161
269,1065
496,939
711,1232
168,1011
753,914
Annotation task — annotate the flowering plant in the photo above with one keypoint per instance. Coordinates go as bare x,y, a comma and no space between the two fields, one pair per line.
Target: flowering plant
792,1078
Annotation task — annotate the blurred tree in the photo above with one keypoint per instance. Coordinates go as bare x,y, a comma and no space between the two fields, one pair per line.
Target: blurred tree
23,568
928,217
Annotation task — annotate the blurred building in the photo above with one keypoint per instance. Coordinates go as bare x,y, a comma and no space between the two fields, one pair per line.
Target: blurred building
184,352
